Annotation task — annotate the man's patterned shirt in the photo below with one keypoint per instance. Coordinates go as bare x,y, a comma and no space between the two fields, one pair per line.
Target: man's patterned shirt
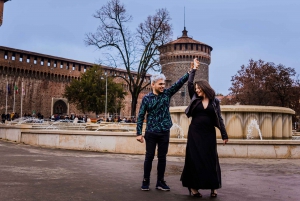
157,108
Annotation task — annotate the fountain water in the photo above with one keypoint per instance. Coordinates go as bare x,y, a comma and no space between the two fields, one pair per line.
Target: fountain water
253,124
177,130
24,120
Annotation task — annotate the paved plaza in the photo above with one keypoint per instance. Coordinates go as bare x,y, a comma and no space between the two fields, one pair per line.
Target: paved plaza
35,173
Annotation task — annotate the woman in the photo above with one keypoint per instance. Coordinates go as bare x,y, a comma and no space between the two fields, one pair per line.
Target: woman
201,169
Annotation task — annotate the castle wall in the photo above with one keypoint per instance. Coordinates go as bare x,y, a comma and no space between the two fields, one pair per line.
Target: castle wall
44,79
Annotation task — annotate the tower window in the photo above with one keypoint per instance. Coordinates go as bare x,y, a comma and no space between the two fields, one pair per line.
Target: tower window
174,46
180,47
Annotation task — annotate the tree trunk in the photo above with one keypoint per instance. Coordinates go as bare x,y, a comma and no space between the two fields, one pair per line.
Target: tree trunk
133,105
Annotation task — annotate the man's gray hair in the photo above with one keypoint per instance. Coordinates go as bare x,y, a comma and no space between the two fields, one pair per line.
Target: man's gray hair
155,78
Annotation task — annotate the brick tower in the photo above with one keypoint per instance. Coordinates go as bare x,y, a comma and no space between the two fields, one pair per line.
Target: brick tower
1,10
175,59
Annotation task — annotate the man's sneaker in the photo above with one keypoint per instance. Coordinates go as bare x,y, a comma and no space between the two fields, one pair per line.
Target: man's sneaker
161,185
145,185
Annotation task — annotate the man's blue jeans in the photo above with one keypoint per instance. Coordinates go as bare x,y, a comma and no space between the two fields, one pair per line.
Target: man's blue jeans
162,142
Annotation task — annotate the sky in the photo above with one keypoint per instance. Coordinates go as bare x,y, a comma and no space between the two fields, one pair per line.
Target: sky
238,30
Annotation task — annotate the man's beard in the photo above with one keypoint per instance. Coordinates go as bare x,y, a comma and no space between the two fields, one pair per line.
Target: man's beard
157,91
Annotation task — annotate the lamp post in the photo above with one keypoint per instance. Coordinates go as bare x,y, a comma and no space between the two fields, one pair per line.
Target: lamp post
105,95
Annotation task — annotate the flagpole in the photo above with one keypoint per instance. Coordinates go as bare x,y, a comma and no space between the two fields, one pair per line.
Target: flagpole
6,97
14,98
21,100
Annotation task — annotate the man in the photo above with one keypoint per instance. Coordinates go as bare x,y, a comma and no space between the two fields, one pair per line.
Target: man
156,104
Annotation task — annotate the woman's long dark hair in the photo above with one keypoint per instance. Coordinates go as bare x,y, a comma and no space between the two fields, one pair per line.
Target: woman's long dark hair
206,88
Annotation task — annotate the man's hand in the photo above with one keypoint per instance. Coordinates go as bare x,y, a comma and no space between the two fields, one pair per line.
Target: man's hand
140,138
225,141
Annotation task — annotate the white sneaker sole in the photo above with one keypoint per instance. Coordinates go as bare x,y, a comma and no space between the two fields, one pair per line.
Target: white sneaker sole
143,189
160,188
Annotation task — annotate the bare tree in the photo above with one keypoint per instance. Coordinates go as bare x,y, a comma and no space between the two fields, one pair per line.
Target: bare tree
137,51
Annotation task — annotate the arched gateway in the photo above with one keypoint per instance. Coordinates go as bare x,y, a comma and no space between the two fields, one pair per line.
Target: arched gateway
60,106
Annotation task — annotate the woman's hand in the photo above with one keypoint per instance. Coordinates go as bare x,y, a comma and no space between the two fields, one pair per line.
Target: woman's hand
196,64
225,141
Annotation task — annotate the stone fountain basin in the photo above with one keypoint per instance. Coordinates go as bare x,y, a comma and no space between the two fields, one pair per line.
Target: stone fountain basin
273,122
125,142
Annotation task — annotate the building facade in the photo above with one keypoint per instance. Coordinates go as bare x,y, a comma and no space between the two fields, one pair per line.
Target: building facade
34,82
175,60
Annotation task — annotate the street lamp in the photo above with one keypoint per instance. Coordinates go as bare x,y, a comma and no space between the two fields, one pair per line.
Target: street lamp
105,95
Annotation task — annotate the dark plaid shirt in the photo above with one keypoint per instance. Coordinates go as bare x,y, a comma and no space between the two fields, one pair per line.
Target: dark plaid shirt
157,108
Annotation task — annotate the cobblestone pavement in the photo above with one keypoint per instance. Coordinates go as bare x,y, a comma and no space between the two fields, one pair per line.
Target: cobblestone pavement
35,173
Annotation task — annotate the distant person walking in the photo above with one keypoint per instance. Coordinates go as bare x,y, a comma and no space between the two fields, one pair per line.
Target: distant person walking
3,116
156,104
202,169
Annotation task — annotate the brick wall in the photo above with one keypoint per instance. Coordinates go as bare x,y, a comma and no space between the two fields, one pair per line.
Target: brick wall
44,79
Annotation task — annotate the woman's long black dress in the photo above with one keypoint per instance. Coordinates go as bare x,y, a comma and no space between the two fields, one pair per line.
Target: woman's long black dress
201,169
